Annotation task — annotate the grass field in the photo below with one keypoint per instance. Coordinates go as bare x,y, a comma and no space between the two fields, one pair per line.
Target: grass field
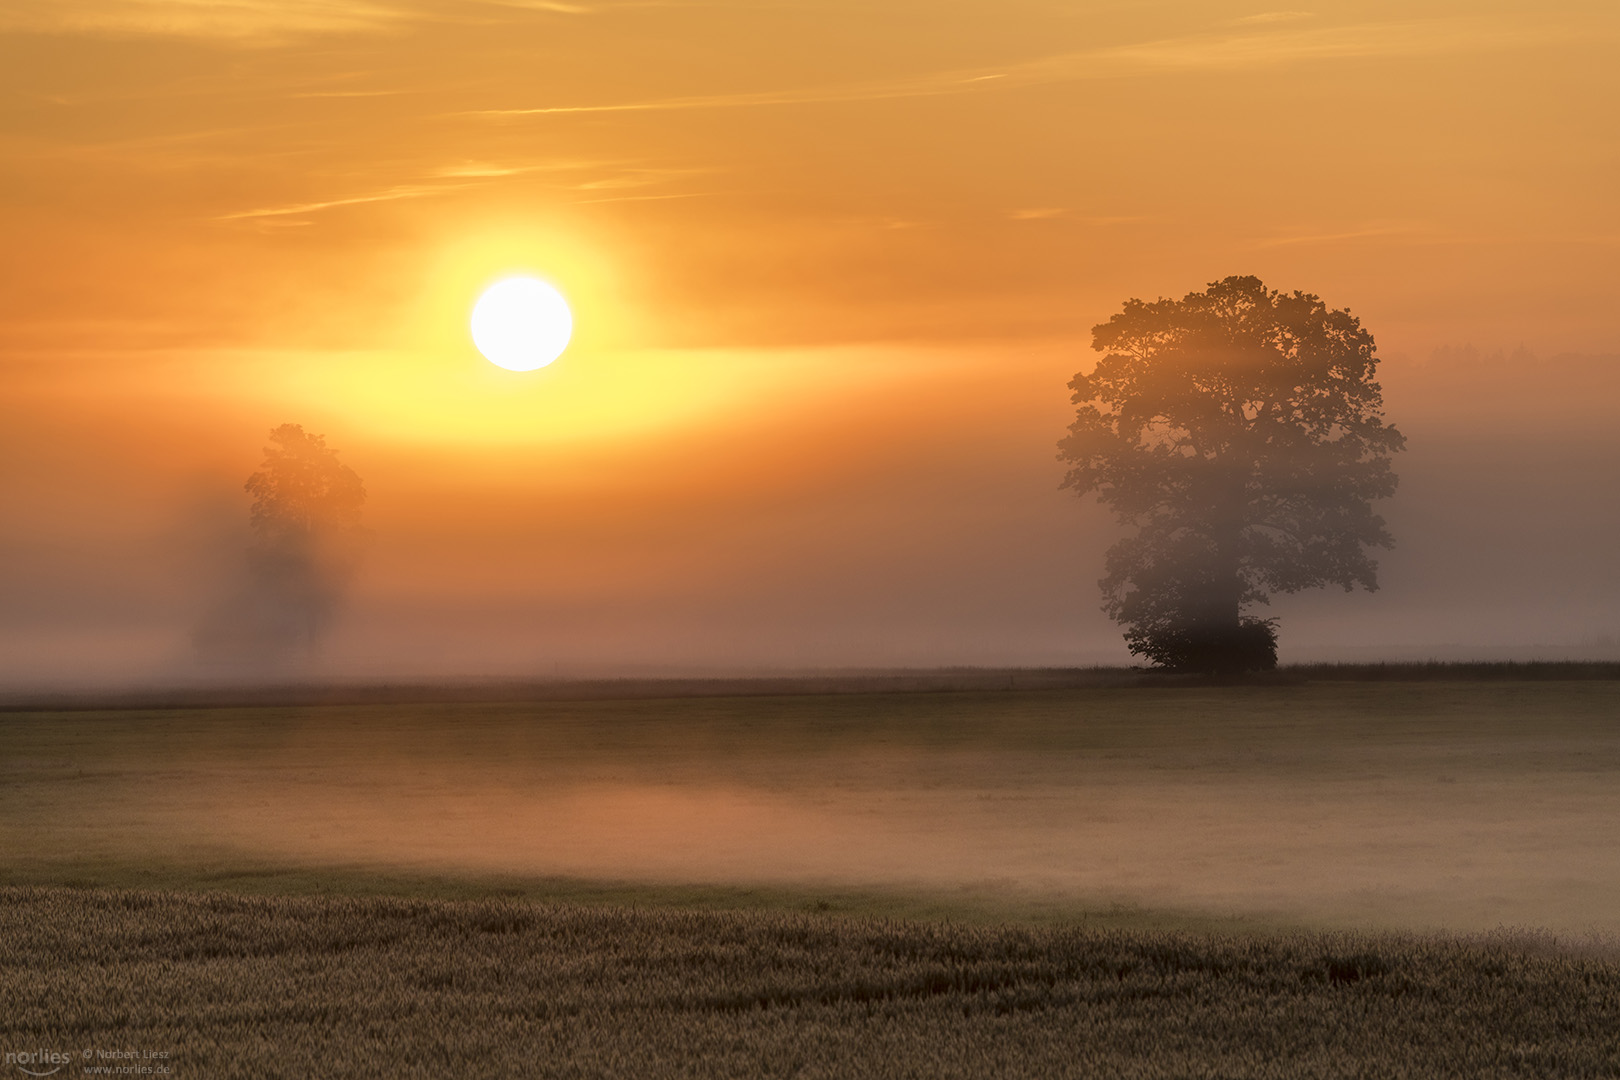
226,986
1100,881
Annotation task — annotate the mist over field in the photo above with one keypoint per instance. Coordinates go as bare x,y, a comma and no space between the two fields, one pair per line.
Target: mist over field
934,536
1440,806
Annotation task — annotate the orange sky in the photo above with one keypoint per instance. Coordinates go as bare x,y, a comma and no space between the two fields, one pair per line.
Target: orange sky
831,265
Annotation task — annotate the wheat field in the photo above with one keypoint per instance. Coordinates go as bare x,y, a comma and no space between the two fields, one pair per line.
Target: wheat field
230,986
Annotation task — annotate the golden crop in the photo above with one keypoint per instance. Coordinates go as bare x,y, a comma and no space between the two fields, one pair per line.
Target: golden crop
235,986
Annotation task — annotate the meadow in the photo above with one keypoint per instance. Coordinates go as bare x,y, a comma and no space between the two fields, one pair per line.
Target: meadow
1330,877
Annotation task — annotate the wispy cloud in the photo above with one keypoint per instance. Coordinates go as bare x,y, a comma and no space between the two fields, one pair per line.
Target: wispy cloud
635,177
264,19
348,93
544,5
1366,233
821,95
647,198
477,170
402,191
1265,17
611,176
202,18
1425,37
1052,213
1263,40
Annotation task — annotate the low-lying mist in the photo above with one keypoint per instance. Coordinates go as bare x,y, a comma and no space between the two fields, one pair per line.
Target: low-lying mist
918,528
1462,806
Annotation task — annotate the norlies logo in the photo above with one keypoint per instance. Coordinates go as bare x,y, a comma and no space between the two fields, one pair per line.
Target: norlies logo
38,1062
120,1062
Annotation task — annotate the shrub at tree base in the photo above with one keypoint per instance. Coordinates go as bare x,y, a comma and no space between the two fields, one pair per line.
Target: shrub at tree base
1251,646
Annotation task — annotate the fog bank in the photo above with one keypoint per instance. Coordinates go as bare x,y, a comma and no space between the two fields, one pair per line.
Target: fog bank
916,523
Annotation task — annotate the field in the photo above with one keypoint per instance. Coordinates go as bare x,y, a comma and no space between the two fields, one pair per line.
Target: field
1316,878
210,985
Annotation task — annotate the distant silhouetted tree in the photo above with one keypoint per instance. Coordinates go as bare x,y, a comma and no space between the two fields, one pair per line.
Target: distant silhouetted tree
305,542
1240,433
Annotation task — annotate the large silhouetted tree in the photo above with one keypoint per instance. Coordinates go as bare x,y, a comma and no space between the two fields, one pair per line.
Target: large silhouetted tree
1239,433
305,543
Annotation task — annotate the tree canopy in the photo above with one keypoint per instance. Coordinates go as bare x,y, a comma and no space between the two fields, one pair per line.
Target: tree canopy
306,540
302,490
1239,432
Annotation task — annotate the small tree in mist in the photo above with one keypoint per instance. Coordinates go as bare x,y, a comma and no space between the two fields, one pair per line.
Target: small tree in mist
305,543
1239,432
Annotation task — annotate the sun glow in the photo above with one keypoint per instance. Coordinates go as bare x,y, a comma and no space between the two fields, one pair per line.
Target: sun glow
521,324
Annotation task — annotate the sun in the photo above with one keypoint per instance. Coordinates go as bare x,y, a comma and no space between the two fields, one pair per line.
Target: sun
521,324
